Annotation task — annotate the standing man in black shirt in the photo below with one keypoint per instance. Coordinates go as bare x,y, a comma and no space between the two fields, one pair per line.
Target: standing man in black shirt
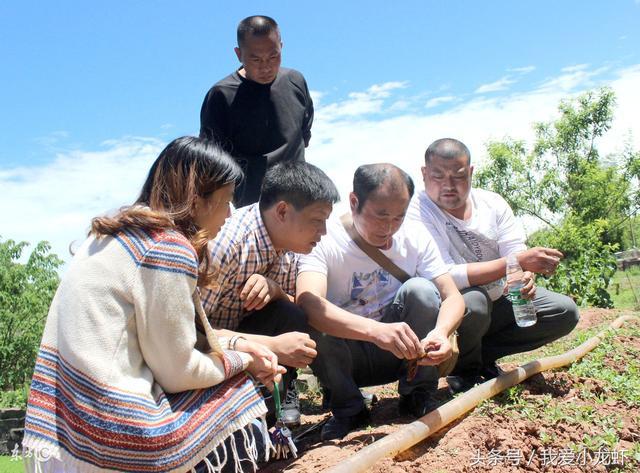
262,113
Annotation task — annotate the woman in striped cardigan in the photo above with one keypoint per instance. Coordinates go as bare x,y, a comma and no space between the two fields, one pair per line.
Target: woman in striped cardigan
130,375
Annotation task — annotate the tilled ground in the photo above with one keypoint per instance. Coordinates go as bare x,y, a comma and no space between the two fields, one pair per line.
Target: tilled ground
555,421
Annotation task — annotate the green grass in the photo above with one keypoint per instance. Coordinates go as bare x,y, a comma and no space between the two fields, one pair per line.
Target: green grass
8,465
620,382
621,290
620,385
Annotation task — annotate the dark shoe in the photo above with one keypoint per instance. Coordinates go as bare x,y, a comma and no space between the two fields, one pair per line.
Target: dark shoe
491,371
460,384
370,399
417,404
337,427
290,409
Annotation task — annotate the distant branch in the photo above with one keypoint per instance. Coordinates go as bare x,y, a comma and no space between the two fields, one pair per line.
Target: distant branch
535,214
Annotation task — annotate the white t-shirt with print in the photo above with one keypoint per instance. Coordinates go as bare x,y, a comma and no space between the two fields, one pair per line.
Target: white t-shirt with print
358,284
490,233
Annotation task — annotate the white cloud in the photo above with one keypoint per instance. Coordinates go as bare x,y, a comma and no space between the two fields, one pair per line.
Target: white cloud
359,103
316,96
573,77
523,70
625,124
500,84
434,102
52,139
399,105
340,147
384,90
575,68
56,201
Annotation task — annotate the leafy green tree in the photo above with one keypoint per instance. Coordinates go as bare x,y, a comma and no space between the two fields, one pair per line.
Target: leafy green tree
26,291
589,262
584,199
631,234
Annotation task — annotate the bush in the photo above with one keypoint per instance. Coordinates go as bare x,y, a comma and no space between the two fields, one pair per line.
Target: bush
26,291
589,263
14,398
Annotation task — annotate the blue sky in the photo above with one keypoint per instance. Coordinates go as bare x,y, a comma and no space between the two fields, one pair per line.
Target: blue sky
91,91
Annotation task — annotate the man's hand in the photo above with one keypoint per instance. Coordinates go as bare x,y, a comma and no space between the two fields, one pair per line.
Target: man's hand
436,347
528,290
540,260
258,291
398,338
293,349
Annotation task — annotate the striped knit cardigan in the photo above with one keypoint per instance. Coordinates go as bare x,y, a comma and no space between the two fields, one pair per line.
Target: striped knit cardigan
120,381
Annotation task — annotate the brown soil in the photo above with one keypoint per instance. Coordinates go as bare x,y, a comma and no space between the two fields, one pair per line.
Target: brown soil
484,440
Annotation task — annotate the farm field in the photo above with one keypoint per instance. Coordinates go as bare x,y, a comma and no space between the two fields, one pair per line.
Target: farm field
585,417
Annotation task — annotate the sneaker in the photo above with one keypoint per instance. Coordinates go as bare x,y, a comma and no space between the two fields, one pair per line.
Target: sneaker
460,384
491,371
290,408
337,427
417,404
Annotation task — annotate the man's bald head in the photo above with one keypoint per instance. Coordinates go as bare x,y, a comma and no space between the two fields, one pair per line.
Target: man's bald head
447,148
257,25
370,178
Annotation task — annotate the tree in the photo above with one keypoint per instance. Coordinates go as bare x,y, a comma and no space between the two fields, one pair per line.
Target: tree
26,291
584,200
631,234
589,262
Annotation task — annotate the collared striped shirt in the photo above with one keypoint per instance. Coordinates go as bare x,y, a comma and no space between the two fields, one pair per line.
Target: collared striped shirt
242,248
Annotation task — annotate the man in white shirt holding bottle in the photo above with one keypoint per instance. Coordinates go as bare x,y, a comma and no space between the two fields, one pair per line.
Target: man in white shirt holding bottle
475,231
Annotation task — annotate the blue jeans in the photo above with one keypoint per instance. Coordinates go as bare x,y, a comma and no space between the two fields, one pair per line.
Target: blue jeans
343,366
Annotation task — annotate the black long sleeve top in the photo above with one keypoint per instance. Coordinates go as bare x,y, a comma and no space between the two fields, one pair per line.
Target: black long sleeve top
258,124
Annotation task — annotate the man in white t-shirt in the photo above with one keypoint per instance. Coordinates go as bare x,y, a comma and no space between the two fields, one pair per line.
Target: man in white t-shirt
370,322
475,231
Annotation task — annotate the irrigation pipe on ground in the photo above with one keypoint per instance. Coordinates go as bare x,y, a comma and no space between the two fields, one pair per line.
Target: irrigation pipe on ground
422,428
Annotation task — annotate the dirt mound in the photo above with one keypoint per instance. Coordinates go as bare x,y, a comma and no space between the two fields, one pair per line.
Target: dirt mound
558,421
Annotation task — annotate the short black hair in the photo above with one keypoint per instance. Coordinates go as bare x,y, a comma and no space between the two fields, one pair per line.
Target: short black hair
256,25
447,148
297,183
370,177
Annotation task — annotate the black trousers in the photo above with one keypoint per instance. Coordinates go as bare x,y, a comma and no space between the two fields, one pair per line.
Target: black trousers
277,317
489,330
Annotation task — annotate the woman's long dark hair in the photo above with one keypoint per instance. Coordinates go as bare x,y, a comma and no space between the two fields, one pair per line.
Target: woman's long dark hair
187,168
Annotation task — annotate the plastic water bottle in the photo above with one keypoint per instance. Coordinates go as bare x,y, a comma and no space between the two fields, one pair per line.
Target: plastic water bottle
523,309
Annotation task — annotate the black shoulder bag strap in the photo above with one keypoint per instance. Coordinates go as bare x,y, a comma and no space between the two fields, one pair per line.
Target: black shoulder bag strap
447,366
